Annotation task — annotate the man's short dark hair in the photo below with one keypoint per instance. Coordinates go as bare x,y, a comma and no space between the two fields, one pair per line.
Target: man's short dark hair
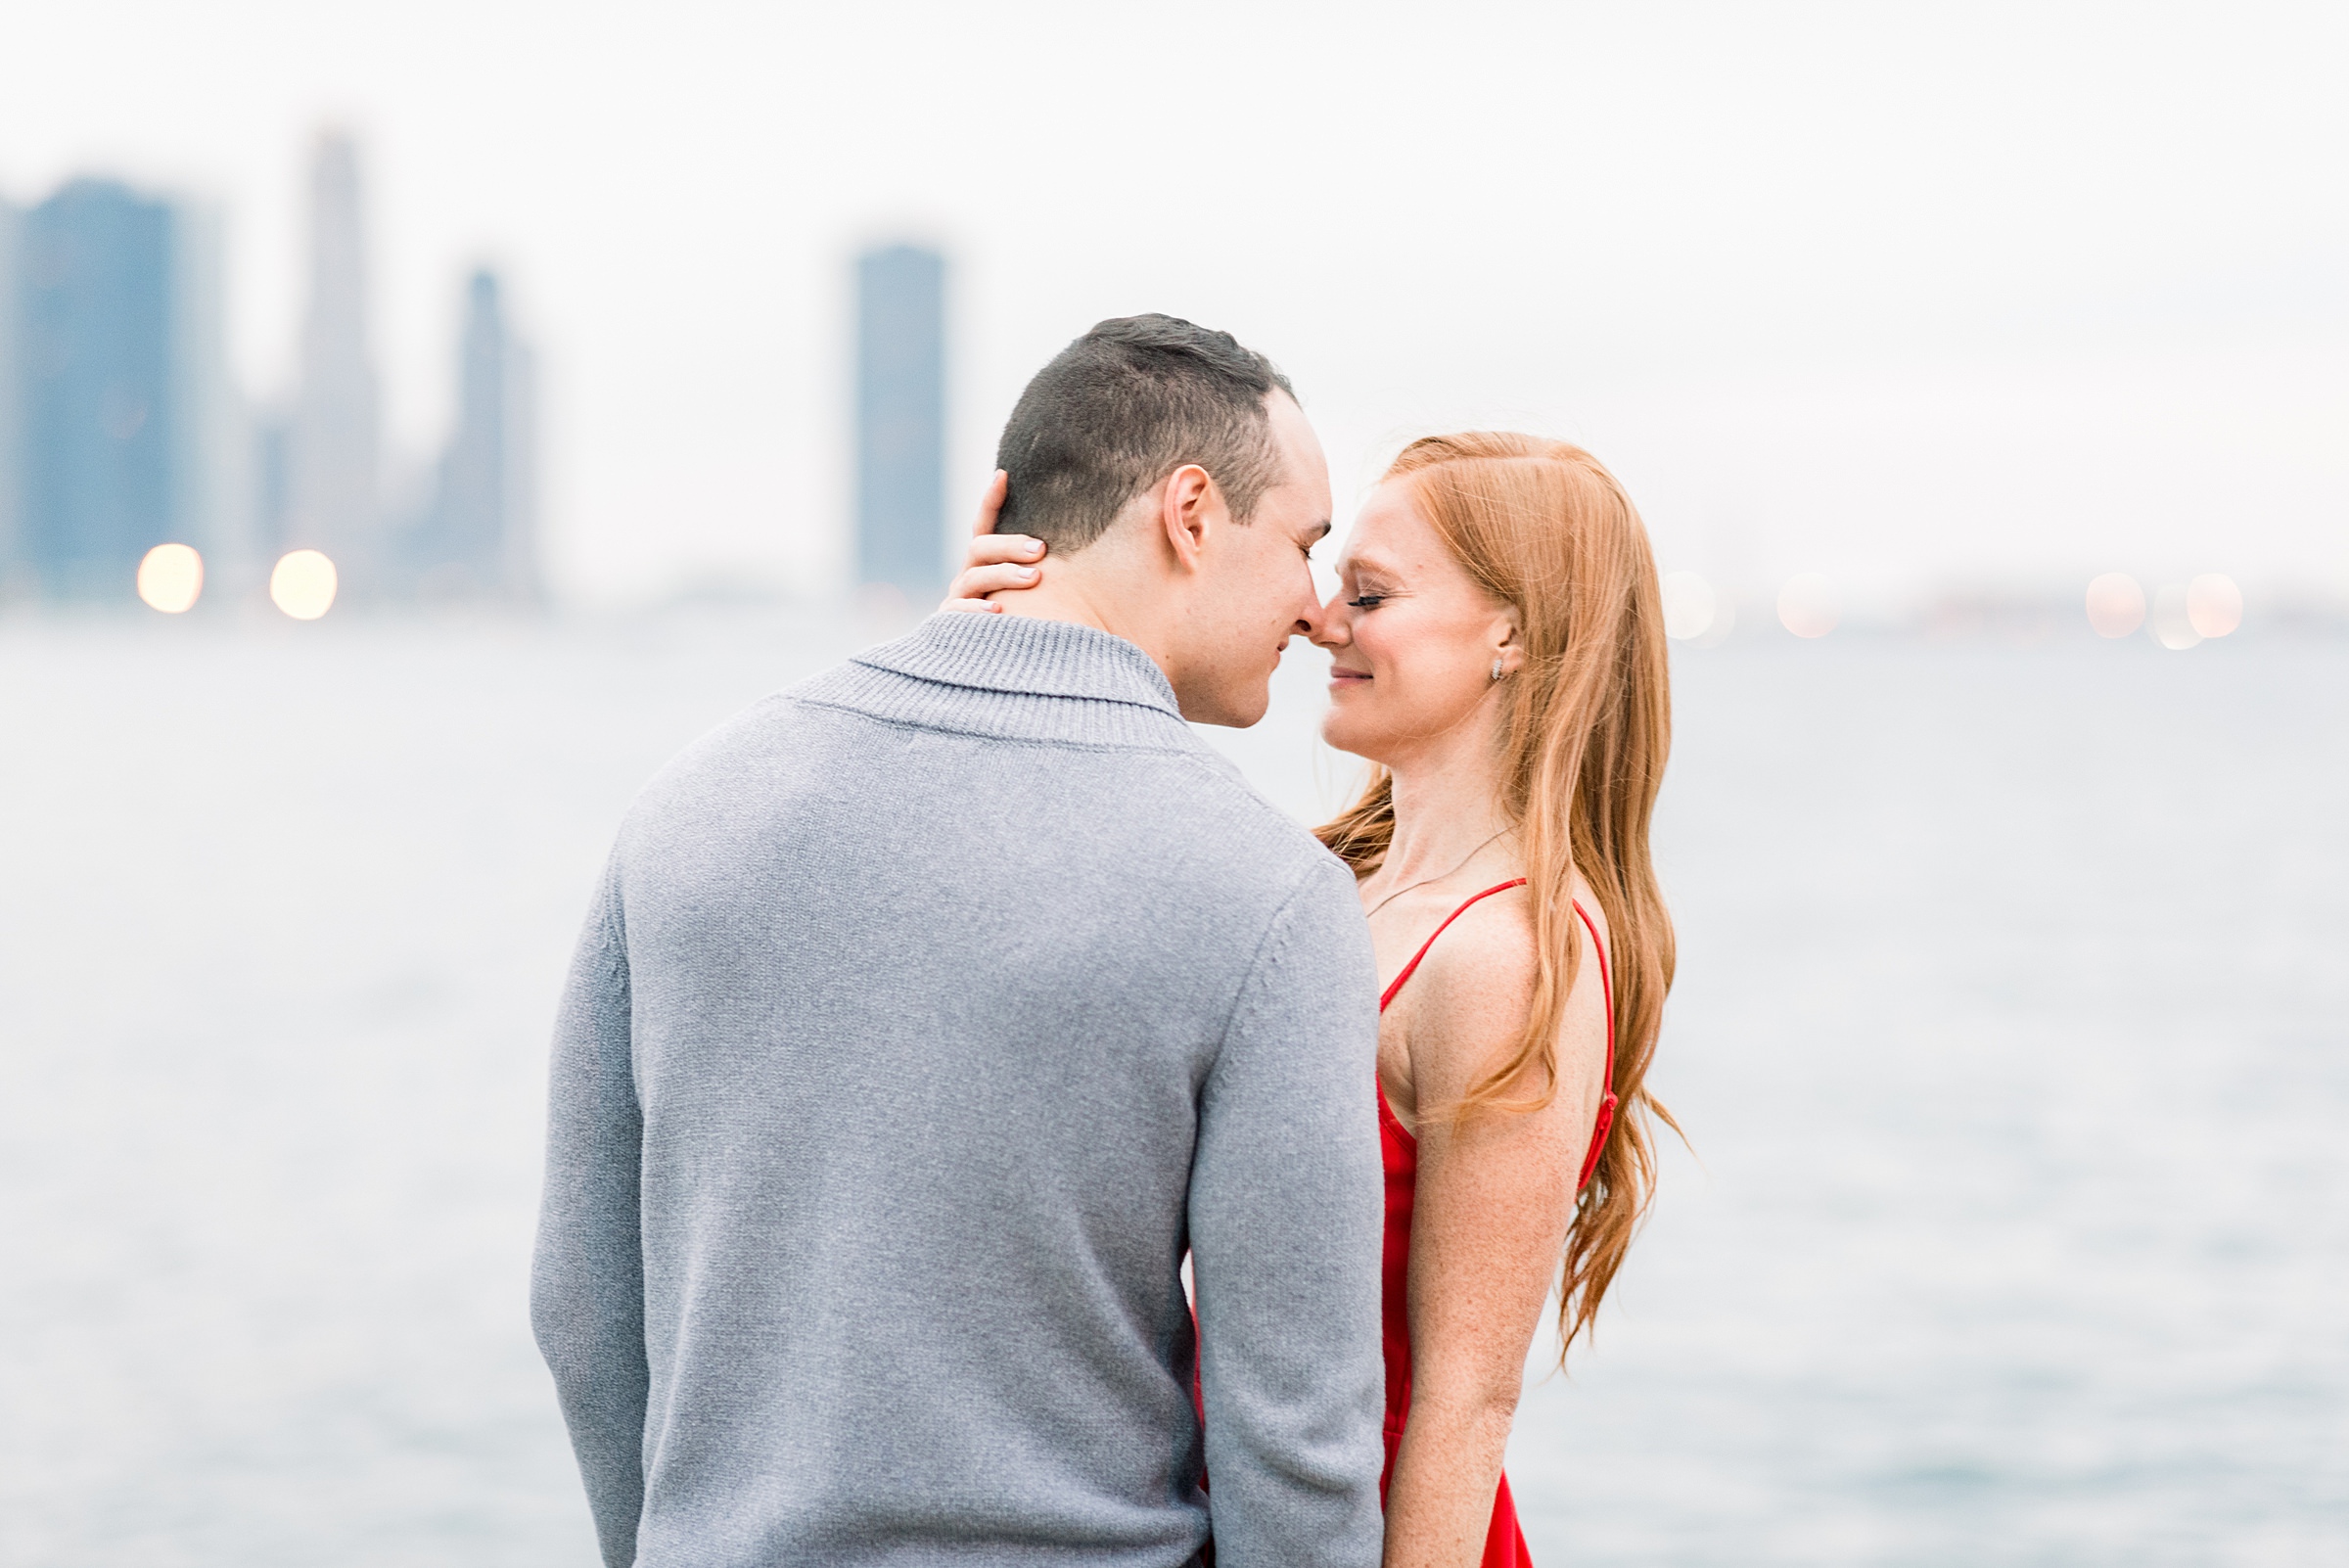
1124,406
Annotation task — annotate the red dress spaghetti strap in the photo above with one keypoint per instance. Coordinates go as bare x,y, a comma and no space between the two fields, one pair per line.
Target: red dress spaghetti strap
1399,1153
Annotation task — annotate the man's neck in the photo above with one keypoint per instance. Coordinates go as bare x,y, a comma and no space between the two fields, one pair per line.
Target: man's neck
1073,597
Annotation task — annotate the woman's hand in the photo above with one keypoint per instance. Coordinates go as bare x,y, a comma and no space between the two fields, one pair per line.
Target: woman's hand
996,561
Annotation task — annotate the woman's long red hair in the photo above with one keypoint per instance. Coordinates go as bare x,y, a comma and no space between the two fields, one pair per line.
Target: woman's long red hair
1540,525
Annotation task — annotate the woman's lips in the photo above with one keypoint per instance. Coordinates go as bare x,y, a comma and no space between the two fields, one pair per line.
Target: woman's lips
1347,678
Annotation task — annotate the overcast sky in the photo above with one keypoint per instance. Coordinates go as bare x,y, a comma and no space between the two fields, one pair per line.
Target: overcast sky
1911,295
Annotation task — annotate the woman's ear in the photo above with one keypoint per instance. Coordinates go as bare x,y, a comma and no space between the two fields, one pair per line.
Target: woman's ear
1512,648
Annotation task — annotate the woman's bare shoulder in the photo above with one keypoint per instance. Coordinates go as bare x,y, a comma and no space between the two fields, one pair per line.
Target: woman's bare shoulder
1491,941
1471,1016
1469,997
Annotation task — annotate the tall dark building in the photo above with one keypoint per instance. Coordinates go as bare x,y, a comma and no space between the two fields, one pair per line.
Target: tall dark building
901,420
116,421
479,535
97,402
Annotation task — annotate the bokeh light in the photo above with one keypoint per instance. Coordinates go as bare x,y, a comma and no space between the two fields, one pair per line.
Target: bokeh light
2116,605
303,584
1806,605
1689,603
172,578
2172,627
2214,605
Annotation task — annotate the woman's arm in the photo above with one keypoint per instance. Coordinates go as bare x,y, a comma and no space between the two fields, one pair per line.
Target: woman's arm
1489,1223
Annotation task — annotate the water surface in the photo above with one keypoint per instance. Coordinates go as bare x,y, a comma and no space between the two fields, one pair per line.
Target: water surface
2013,1033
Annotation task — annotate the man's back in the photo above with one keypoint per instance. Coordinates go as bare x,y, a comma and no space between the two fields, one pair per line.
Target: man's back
929,1013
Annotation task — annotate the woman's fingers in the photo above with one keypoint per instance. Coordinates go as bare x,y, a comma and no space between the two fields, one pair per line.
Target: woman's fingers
997,560
996,549
991,505
970,589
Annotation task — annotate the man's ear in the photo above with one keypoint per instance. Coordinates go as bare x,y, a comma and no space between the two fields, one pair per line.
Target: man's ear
1189,506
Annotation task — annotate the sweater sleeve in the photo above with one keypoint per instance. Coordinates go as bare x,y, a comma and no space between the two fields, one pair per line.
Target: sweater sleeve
1285,1216
588,1276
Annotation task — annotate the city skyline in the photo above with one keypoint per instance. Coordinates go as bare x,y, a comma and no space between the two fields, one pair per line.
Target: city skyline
122,431
1921,303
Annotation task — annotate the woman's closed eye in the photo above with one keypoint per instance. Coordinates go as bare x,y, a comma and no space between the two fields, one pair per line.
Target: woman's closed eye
1369,601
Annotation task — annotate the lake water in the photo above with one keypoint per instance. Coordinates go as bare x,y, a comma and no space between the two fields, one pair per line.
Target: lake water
2012,1035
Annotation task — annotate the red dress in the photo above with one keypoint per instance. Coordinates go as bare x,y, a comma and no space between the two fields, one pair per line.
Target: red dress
1399,1151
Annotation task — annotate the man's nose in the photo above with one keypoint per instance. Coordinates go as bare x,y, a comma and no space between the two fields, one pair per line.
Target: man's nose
1310,624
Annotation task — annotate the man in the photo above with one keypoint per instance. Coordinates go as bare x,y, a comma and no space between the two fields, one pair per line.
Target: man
931,1011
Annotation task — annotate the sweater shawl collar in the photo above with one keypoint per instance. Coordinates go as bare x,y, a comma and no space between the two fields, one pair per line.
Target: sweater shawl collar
1015,676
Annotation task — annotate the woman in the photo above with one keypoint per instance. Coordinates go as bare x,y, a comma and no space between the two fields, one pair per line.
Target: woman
1497,652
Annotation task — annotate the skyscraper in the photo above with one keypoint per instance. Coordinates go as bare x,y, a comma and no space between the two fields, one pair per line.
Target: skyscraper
901,420
334,445
98,413
116,421
12,383
481,533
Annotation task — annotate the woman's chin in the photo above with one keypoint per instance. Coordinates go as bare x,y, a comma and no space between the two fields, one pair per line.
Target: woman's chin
1338,735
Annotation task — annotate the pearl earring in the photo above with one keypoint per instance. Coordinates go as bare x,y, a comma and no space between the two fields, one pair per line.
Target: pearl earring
1496,669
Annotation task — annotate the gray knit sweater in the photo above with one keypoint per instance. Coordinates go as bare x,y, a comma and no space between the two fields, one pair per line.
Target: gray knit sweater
928,1013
